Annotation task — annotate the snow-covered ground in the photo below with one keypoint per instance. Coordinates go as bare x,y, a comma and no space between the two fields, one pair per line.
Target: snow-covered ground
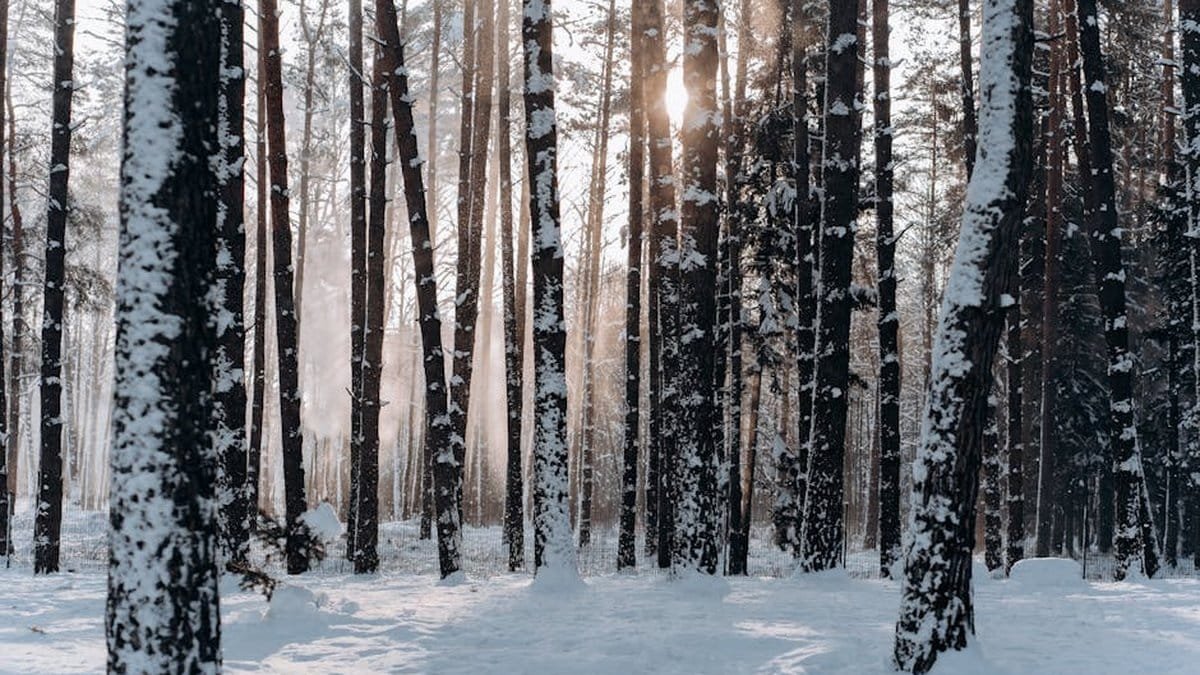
331,623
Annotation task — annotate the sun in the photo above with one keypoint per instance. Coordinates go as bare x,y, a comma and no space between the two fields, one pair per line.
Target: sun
676,96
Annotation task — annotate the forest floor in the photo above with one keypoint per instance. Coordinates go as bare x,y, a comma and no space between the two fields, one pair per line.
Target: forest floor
1041,621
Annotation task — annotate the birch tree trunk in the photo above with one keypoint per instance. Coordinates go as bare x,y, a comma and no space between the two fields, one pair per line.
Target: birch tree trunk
936,612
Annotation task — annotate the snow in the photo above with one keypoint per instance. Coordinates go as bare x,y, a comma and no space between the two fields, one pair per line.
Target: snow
1047,573
625,624
323,522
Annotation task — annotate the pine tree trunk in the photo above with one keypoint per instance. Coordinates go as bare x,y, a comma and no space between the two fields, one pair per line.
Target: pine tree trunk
514,337
295,502
16,369
1189,78
552,529
229,401
48,521
970,125
447,476
1015,502
358,255
6,497
163,613
936,613
627,544
822,533
992,535
1132,554
262,205
889,317
365,475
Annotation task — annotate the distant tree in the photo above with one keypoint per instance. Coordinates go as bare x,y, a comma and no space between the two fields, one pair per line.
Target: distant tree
163,613
936,612
48,520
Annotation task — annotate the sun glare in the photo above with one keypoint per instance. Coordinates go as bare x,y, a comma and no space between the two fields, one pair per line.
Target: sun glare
677,96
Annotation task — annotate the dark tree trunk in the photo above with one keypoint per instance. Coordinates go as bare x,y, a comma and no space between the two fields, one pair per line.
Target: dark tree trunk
365,475
627,544
889,317
257,404
163,613
358,257
447,478
821,538
1133,524
936,613
664,285
551,522
229,400
514,313
993,542
1189,78
6,545
295,502
696,542
970,125
1015,501
48,521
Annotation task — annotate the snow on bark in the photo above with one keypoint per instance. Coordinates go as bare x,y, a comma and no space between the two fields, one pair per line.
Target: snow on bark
226,298
936,613
162,593
447,479
553,550
1189,41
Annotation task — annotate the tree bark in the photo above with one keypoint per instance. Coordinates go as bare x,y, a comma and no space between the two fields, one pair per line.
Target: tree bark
295,502
262,206
889,317
229,400
16,371
552,529
447,476
358,254
48,521
163,613
821,537
6,496
936,613
627,544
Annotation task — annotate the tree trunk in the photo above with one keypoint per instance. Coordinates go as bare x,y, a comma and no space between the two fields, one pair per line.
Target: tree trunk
163,613
6,497
970,125
295,502
1133,556
553,552
262,205
1015,501
358,256
17,359
627,544
447,476
365,476
936,612
992,537
229,400
514,313
312,39
889,317
48,522
822,533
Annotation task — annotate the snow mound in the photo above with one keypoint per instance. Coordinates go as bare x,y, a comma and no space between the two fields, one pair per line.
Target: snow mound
969,660
322,520
1047,573
557,579
289,602
695,584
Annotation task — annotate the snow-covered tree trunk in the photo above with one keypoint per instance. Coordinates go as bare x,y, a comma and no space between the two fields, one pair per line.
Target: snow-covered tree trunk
664,285
936,612
553,550
447,479
5,496
48,520
1189,78
229,400
889,317
1015,498
993,541
627,544
356,75
514,313
295,502
365,475
821,535
1133,556
163,613
698,502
